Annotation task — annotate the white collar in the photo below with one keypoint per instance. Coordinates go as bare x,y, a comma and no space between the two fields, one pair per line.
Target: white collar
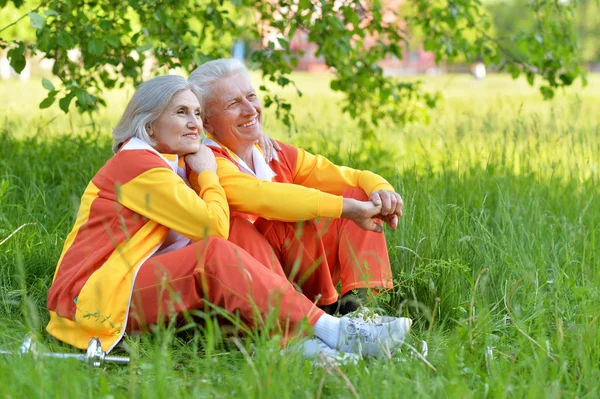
137,144
263,170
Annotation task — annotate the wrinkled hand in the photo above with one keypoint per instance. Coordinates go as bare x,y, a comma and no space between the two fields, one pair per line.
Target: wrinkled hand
268,146
391,206
202,160
363,213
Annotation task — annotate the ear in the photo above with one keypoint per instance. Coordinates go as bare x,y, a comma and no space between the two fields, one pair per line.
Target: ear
207,125
149,129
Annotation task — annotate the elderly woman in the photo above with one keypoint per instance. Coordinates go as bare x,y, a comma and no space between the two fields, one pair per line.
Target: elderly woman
146,247
346,245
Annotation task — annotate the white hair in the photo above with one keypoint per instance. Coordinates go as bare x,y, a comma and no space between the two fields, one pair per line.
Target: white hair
149,101
206,75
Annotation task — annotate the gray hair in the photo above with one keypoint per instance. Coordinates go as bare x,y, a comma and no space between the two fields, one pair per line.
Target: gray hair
205,76
149,101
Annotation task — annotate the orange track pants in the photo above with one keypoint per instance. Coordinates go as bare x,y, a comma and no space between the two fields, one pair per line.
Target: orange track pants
220,272
316,256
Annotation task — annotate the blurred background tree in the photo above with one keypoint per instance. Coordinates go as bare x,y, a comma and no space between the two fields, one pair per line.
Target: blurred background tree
100,44
512,16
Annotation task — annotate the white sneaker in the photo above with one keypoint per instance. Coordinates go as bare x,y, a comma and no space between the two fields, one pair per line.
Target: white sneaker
315,348
374,336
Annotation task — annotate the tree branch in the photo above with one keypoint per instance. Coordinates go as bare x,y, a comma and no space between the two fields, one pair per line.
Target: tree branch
43,3
507,53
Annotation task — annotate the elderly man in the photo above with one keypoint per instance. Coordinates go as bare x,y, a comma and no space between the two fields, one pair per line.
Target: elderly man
346,245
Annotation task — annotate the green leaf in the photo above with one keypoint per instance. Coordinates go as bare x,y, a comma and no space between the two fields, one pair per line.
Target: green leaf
47,84
112,40
566,78
143,48
36,20
45,41
282,81
84,99
16,55
50,13
65,40
268,101
547,92
283,42
64,102
304,4
48,101
584,79
96,47
514,71
530,78
106,25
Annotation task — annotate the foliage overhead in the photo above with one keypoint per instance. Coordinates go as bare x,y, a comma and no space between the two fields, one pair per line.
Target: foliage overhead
513,16
115,38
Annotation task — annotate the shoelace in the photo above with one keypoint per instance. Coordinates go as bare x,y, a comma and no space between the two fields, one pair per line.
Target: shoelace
360,329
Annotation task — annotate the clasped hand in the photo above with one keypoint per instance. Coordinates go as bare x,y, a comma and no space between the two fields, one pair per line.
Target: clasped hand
391,206
383,205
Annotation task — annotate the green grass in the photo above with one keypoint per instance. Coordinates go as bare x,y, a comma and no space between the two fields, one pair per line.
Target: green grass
502,224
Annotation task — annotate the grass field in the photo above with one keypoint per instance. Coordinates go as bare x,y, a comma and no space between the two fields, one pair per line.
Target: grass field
497,257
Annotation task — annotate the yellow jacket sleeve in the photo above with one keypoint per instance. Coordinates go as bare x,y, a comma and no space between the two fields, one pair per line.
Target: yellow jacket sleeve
318,172
274,201
161,195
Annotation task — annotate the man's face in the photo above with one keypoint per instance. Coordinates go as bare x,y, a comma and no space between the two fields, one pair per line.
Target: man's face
234,112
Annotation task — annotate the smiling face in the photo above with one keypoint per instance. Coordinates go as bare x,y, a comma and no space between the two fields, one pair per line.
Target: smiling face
177,129
234,112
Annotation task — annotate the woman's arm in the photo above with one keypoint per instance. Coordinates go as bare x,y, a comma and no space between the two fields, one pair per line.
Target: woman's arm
161,195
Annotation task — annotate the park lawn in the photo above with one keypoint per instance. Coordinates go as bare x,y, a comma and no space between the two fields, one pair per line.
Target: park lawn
496,259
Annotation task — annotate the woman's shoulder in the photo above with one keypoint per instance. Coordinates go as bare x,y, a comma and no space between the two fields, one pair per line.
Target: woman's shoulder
129,163
136,152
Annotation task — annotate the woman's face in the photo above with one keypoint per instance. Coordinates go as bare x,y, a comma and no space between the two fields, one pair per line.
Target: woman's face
177,129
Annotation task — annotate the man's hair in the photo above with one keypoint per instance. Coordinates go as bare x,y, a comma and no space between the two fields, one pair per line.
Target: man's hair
149,101
205,76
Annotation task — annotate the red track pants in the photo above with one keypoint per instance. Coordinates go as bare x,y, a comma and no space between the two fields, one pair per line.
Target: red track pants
218,271
316,256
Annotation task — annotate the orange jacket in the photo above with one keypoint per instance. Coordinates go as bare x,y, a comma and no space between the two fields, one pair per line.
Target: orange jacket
134,201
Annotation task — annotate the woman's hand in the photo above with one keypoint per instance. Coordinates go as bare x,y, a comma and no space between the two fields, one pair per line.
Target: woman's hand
268,146
202,160
363,213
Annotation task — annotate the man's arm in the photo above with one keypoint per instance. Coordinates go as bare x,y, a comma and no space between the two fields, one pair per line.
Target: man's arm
318,172
275,201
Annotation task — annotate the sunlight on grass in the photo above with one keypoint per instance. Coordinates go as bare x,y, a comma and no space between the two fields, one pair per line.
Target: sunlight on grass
501,236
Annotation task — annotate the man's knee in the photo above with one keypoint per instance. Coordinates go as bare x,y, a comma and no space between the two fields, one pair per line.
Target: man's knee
240,226
265,226
286,229
306,228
